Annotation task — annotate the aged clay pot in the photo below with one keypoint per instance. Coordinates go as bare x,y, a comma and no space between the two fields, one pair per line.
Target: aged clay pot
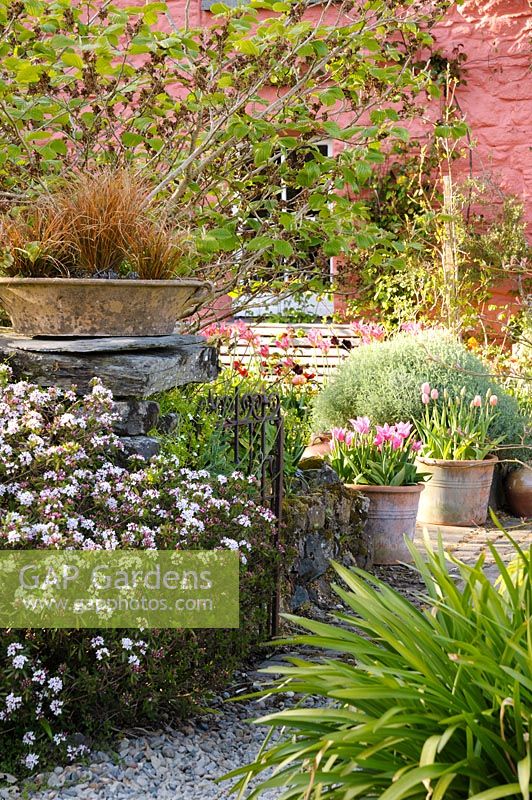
518,490
318,448
458,492
92,307
391,517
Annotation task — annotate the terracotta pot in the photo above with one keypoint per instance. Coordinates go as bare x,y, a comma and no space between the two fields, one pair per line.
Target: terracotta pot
391,517
319,446
458,492
78,307
518,490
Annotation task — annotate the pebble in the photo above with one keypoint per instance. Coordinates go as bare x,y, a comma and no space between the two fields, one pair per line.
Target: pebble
182,762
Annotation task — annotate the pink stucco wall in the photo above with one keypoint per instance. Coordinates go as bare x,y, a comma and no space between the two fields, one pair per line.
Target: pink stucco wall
496,99
497,96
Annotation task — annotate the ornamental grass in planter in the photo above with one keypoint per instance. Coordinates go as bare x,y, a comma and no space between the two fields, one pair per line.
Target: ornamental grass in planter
96,257
456,452
380,462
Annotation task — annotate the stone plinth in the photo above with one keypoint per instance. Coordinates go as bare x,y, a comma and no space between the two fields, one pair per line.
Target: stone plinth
132,368
129,367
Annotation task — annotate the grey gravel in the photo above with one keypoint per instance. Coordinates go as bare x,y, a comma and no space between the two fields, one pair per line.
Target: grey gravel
170,763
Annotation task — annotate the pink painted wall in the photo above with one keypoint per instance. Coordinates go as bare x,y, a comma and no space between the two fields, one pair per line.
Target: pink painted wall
497,97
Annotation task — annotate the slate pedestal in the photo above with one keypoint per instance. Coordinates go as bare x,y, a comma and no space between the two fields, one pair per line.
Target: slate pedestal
134,369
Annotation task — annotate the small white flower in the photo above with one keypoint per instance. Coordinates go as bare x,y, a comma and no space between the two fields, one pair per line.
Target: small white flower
39,676
28,738
14,648
55,684
31,760
59,738
19,661
134,660
127,644
56,707
25,498
13,702
103,651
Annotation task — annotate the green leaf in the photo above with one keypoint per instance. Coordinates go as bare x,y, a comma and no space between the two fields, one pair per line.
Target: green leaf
130,139
262,152
523,773
27,73
58,146
283,248
248,47
330,96
73,60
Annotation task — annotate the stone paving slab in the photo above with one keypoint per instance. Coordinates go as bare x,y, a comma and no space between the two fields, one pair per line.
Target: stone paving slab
468,544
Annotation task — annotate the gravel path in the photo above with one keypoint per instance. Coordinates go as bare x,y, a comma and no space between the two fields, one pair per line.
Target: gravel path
179,763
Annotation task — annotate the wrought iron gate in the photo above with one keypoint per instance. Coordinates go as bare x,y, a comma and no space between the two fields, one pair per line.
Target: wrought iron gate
254,424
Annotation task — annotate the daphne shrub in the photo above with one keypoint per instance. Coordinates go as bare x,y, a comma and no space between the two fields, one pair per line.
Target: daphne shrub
382,379
64,483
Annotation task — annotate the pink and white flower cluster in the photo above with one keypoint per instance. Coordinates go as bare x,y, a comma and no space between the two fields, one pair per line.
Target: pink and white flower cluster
62,484
377,455
66,483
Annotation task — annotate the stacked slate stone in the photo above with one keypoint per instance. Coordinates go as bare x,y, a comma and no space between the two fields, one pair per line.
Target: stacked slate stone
133,368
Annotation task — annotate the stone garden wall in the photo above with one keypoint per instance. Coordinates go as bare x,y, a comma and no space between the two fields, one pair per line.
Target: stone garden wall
322,521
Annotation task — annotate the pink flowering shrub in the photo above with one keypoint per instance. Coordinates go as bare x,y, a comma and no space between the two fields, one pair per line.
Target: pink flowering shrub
65,483
284,362
380,455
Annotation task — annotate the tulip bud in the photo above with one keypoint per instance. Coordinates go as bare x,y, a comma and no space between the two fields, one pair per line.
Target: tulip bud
434,394
477,401
494,400
425,388
425,398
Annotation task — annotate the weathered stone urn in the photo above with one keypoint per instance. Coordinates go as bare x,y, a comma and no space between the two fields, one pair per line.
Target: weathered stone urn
99,307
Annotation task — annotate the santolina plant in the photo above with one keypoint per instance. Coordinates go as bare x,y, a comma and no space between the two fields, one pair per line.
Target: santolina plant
383,455
64,483
456,427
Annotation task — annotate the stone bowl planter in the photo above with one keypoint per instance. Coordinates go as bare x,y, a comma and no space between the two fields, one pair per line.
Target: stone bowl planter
391,517
458,492
518,490
92,307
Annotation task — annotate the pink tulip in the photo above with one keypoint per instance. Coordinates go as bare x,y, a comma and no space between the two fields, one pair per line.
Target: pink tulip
494,400
386,431
404,429
397,441
349,436
476,401
416,446
361,424
338,434
298,380
425,398
425,388
434,394
379,440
